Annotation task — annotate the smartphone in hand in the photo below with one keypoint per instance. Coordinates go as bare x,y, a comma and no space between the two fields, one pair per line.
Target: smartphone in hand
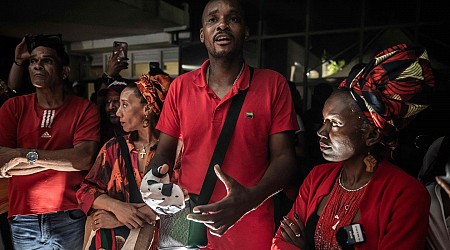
121,48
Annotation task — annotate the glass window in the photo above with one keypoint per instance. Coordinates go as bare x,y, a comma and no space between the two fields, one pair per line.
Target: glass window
171,68
95,72
192,56
251,9
140,68
282,16
386,12
335,47
328,15
275,53
126,73
436,40
434,10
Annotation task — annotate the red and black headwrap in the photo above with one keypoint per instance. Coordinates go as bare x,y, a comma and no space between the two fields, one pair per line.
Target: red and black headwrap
154,90
392,88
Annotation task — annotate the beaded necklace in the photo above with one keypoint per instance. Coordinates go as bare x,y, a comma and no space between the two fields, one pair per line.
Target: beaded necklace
341,208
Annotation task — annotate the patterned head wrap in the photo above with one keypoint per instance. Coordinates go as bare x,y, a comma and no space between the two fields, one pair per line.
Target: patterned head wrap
392,88
154,89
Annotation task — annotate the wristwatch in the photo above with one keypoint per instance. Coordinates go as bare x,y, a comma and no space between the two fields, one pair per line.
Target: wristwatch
32,156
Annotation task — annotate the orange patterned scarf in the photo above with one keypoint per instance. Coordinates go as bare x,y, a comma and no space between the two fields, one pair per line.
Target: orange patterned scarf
154,89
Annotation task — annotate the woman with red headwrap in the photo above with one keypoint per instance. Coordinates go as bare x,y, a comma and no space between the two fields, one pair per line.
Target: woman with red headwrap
105,192
360,200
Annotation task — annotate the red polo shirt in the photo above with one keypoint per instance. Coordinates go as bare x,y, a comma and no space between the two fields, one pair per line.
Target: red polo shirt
194,112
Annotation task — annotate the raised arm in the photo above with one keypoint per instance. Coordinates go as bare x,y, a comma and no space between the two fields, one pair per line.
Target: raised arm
21,56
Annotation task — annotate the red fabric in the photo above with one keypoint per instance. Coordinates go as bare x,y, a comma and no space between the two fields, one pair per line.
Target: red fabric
21,124
341,208
108,174
98,239
394,209
192,111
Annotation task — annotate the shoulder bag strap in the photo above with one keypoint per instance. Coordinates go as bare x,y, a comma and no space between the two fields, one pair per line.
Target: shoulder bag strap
444,151
222,144
135,195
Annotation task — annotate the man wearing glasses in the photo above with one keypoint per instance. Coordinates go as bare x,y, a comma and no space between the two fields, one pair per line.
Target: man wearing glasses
47,141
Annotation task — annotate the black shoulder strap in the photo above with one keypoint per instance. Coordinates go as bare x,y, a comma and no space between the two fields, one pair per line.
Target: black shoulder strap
135,195
222,144
444,152
438,165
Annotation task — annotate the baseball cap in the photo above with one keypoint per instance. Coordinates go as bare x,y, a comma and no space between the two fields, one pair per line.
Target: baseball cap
116,86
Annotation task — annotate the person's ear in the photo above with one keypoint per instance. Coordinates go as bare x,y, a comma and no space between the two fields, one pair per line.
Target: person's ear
66,72
373,136
247,33
202,36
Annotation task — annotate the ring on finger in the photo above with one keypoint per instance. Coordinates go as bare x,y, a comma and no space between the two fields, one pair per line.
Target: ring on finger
298,235
118,59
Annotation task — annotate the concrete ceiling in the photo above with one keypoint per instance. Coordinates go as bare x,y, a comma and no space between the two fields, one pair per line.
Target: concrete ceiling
85,20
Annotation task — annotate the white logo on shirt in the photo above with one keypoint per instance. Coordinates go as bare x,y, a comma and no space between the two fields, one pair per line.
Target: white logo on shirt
46,135
47,118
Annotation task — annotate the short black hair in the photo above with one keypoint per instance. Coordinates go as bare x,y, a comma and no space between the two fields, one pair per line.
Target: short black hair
53,41
239,5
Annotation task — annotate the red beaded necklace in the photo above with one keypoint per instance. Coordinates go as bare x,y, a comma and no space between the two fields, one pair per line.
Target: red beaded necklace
341,208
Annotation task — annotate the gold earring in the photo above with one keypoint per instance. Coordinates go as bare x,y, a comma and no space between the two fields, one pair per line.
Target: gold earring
146,122
370,162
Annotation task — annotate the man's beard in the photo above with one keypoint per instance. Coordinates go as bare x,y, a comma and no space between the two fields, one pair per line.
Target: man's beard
115,120
224,54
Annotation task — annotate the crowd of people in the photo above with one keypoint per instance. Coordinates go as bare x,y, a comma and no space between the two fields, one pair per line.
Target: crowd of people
70,168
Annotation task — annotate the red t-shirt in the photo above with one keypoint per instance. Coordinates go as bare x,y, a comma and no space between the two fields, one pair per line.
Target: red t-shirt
24,124
194,112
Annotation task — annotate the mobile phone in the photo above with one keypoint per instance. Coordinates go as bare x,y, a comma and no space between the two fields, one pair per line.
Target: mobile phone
121,48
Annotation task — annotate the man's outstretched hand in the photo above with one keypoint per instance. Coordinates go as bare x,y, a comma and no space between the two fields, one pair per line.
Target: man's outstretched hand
222,215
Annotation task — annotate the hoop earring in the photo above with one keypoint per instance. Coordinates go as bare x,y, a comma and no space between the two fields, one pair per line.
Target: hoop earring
146,122
370,162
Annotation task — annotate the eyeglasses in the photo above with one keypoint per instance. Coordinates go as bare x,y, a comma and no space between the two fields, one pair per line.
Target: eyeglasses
52,41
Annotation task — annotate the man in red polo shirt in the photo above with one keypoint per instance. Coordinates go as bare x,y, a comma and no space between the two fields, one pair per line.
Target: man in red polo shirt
260,158
47,141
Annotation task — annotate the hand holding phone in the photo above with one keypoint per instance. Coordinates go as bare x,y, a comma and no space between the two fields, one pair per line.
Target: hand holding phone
118,61
121,48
